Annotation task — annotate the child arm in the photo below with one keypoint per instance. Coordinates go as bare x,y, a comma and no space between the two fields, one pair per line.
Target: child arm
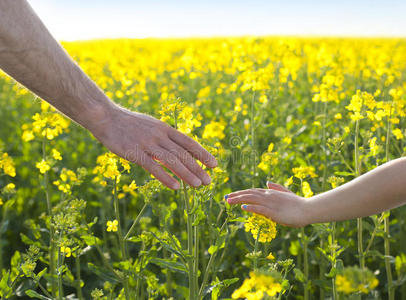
376,191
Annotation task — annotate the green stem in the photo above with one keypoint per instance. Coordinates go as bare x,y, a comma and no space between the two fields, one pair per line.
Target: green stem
44,290
256,249
3,219
121,239
305,265
333,254
190,259
254,163
59,271
391,287
323,186
209,264
78,278
305,259
51,227
371,239
132,228
359,220
138,284
196,257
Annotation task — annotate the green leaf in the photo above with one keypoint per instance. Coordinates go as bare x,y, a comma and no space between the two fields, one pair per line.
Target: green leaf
212,249
238,219
91,240
332,273
168,264
167,246
40,274
34,294
4,284
344,174
200,217
299,275
134,239
103,273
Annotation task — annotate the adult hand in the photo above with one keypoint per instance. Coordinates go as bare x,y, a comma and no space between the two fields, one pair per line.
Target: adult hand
276,203
145,140
31,55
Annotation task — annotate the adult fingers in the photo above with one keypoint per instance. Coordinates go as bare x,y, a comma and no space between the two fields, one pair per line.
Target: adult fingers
187,159
155,169
175,165
194,148
277,187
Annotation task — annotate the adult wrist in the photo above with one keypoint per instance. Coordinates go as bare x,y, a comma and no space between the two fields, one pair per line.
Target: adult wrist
100,117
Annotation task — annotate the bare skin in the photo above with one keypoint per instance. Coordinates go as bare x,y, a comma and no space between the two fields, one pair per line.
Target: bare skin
381,189
30,55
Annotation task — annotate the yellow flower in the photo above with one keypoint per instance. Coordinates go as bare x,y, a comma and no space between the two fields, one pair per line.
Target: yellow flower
306,190
335,181
268,159
10,186
56,154
338,116
66,251
28,135
344,285
47,124
130,188
107,166
270,256
303,172
186,117
262,225
7,164
43,166
126,165
257,286
398,133
355,280
287,140
1,201
373,147
263,99
112,225
214,130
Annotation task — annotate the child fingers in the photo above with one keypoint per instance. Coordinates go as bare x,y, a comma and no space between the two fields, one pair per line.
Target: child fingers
245,192
277,187
246,198
258,209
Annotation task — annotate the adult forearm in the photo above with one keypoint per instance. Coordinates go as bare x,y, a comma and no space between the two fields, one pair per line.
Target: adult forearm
378,190
30,55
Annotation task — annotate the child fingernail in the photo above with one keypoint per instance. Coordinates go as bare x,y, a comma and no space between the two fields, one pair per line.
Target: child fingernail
225,197
244,206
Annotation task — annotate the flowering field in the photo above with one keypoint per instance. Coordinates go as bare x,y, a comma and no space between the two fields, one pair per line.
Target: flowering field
77,222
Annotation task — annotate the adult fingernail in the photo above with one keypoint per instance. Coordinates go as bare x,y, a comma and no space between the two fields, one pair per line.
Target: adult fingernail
206,179
176,186
196,182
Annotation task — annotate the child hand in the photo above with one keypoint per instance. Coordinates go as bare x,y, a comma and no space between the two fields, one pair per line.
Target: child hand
276,203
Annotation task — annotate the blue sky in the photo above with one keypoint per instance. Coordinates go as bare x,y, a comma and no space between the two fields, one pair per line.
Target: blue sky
90,19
